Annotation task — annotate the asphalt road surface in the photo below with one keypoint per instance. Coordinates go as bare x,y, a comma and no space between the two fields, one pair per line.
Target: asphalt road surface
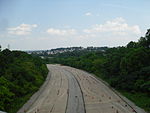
69,90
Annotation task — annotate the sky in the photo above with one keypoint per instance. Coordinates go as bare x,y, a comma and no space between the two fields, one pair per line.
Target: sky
47,24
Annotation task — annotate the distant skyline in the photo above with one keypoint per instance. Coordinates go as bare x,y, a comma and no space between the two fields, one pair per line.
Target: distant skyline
47,24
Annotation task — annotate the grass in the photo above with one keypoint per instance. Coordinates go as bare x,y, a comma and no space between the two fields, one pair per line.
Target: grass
140,99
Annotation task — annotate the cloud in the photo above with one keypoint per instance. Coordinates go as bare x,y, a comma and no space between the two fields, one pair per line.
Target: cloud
116,32
23,29
61,32
88,14
116,26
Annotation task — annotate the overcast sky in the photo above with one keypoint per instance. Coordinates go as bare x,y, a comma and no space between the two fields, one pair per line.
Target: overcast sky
47,24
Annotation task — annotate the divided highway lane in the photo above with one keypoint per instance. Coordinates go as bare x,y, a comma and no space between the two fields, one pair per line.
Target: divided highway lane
62,94
54,98
69,90
98,97
75,102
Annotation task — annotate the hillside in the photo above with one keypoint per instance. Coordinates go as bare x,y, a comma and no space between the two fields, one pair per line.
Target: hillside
20,76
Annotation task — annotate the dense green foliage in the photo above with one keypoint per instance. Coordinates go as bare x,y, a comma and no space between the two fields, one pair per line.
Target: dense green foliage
124,68
20,76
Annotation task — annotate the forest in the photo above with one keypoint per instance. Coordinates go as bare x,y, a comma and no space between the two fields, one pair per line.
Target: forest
125,68
20,76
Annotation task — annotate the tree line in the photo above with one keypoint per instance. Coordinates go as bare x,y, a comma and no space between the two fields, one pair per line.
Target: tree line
20,76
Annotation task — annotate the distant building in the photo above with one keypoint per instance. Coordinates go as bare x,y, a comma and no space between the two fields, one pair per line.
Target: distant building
63,50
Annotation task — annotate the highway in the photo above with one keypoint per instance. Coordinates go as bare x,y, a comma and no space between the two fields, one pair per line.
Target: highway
70,90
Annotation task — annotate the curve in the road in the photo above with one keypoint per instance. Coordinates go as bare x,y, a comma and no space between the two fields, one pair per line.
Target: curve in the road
70,90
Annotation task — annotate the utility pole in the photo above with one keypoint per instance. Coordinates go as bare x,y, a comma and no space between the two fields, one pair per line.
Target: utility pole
8,47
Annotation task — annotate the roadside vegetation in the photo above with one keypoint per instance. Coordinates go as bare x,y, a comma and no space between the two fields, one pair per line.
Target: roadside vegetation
20,76
127,69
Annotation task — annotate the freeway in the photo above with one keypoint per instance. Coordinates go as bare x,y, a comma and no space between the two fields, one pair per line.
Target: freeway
70,90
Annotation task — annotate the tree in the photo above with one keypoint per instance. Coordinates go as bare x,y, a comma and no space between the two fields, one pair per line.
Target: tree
148,38
145,41
132,44
134,60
